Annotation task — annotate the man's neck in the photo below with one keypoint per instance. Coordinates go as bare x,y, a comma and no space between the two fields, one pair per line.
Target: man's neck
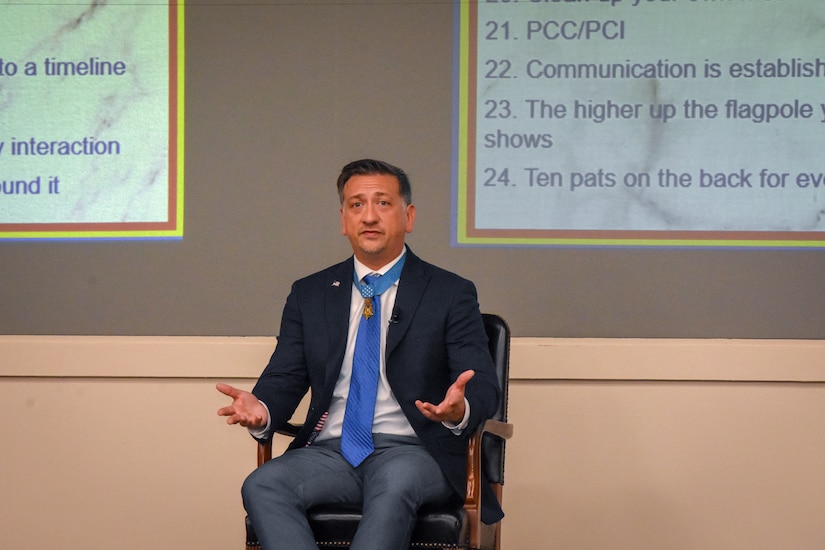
363,268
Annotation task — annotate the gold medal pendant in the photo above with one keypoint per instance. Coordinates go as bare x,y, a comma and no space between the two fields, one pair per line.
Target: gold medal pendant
368,308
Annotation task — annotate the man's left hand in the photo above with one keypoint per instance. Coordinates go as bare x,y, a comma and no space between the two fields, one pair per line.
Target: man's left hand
452,408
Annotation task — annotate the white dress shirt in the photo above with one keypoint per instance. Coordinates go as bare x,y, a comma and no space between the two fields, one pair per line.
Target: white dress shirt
389,418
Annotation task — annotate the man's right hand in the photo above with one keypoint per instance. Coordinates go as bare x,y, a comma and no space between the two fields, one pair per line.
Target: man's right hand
245,409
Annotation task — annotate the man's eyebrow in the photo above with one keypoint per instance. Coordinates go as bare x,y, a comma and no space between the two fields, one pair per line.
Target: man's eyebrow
362,196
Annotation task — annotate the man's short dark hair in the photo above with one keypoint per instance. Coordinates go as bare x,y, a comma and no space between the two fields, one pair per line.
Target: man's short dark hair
369,167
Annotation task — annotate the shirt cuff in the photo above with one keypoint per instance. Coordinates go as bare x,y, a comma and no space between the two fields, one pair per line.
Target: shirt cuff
260,433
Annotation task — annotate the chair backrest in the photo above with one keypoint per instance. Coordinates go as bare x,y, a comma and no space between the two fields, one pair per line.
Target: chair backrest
498,335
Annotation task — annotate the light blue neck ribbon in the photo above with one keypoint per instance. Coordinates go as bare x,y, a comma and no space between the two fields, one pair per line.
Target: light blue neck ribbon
381,283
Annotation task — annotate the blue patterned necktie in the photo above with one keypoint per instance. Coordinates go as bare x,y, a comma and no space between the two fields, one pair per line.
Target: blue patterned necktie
356,434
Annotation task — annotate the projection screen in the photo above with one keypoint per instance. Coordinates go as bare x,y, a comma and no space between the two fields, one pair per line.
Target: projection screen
92,138
640,123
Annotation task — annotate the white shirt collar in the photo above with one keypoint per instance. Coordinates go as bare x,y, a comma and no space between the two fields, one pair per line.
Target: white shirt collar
362,271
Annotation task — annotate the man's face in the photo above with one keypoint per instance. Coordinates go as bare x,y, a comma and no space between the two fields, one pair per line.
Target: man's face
375,219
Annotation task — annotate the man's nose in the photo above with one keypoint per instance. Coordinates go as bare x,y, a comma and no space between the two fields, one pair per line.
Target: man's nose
370,213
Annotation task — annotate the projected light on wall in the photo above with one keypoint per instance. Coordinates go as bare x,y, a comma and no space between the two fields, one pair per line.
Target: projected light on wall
91,99
640,123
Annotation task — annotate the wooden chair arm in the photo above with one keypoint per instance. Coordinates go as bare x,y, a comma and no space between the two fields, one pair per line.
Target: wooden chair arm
264,451
497,428
493,427
265,447
472,501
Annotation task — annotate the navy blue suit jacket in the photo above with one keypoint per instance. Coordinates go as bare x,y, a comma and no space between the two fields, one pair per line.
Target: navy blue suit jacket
439,334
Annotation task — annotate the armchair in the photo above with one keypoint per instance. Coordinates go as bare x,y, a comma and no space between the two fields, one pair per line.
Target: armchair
438,526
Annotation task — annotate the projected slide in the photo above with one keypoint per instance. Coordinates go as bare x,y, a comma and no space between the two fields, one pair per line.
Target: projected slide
91,140
640,123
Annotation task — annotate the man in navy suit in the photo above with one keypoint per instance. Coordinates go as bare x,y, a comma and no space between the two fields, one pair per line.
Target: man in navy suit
435,385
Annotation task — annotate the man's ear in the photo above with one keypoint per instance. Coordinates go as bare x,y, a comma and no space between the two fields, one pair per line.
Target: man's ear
410,218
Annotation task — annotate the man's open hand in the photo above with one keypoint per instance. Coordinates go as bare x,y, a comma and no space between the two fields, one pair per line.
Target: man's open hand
245,409
452,408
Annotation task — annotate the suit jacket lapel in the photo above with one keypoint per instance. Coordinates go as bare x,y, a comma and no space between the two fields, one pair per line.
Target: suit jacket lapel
411,287
338,294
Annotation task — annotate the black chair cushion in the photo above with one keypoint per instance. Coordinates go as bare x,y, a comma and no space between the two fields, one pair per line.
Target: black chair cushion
438,526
